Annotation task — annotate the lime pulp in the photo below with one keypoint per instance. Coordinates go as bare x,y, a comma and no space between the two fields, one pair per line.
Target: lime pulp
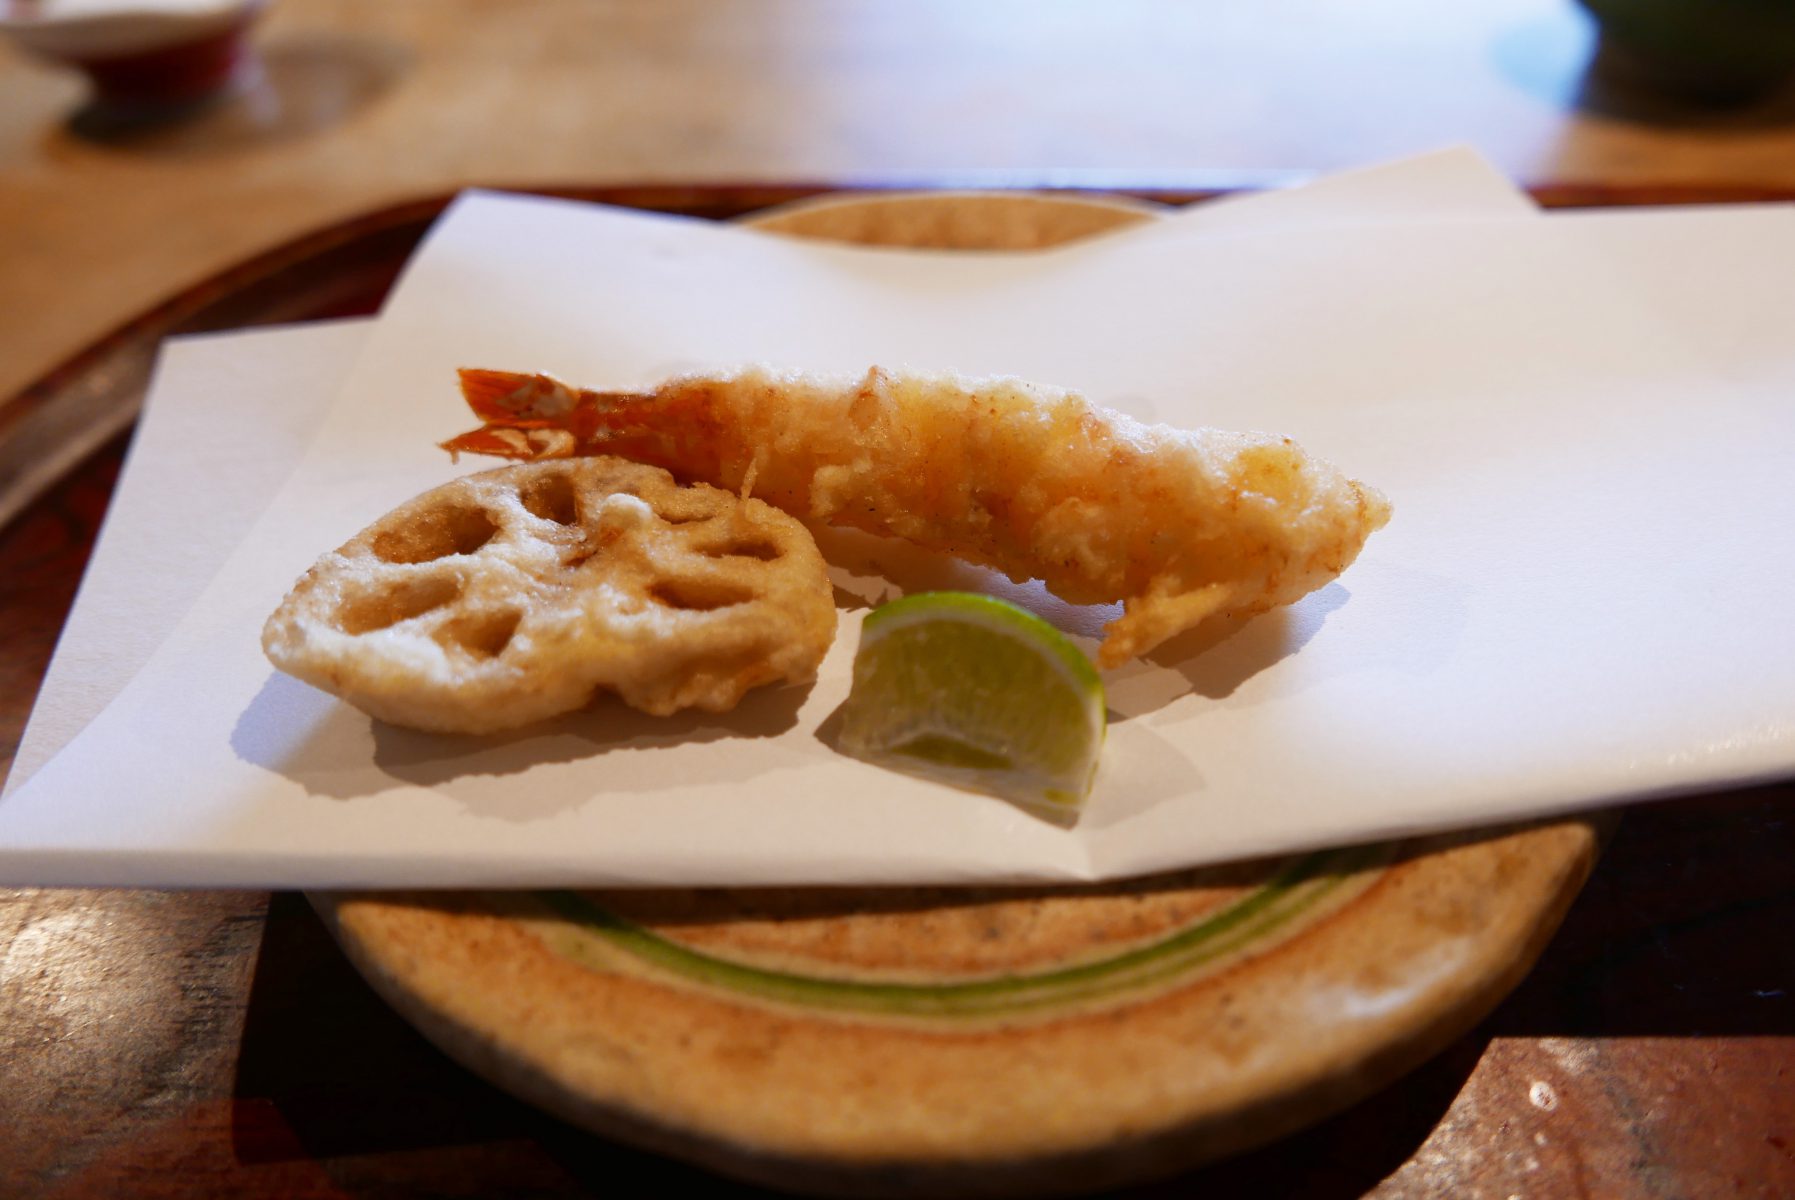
973,691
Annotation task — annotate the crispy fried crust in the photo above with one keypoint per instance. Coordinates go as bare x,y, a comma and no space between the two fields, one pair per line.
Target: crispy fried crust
513,595
1038,482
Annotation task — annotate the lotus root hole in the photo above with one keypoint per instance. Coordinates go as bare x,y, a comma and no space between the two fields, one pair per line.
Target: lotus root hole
377,609
551,498
483,635
763,550
677,509
452,529
697,595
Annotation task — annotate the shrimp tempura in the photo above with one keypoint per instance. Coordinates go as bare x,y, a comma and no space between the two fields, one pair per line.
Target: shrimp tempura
1177,525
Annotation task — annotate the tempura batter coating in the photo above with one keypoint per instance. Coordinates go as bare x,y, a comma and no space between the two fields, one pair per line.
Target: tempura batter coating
1177,525
513,595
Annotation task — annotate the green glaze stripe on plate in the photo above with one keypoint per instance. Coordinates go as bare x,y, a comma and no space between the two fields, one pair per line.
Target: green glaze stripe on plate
1297,888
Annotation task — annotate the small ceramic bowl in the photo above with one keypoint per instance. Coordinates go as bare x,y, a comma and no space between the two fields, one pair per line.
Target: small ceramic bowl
141,55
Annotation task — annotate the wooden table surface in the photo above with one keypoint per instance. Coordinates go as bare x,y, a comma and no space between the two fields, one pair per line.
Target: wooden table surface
368,104
217,1044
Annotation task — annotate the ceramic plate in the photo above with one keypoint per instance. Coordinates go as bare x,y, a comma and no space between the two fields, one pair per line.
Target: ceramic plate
932,1041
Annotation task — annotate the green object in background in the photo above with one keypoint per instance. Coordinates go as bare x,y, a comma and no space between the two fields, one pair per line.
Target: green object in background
974,691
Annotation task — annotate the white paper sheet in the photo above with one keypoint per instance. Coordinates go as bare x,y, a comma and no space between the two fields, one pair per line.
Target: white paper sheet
228,417
1456,183
1520,640
164,539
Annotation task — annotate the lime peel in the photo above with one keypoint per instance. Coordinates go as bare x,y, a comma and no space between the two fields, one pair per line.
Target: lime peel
974,691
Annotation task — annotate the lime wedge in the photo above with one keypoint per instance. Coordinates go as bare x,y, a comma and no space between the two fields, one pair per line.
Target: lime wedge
974,691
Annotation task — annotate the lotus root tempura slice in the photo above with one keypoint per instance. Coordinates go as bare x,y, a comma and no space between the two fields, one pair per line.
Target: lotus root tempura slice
514,595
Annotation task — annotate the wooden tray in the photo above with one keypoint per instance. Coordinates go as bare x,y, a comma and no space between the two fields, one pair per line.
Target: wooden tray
973,1041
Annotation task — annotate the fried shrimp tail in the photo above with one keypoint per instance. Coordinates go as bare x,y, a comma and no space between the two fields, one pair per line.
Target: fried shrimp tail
1037,482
